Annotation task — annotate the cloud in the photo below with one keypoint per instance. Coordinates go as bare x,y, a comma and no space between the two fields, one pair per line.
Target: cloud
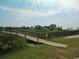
26,12
19,0
56,7
64,5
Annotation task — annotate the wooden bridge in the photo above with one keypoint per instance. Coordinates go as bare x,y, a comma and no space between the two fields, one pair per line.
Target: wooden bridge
39,40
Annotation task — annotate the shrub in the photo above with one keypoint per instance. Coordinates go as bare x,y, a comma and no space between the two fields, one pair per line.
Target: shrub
9,42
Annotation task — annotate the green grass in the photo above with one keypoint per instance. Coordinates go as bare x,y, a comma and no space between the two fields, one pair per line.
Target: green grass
36,52
40,52
73,45
43,51
72,42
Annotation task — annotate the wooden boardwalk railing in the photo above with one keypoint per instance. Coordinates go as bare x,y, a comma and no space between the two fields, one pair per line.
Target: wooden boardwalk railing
40,40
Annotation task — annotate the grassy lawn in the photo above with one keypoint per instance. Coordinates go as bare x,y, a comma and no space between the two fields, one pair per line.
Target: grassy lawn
35,52
42,51
73,43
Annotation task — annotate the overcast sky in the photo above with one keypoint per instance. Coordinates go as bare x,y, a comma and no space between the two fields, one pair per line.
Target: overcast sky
42,12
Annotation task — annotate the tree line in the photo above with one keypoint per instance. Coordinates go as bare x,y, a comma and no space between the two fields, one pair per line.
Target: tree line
40,31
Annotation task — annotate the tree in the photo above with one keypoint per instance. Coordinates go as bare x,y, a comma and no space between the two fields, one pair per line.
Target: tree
37,27
1,29
52,26
59,28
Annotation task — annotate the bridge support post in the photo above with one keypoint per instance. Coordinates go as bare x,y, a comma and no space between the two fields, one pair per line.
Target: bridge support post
37,40
25,36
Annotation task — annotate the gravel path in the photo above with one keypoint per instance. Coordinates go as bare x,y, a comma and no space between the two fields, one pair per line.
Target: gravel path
73,36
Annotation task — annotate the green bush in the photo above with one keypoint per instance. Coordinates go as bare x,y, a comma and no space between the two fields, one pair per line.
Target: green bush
62,33
10,42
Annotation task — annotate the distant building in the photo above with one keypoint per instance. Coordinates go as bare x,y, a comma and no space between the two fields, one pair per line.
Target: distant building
52,26
70,29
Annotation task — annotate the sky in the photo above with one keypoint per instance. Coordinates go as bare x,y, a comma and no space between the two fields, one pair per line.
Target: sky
64,13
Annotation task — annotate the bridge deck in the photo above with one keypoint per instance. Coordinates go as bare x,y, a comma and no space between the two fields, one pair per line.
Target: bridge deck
40,40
